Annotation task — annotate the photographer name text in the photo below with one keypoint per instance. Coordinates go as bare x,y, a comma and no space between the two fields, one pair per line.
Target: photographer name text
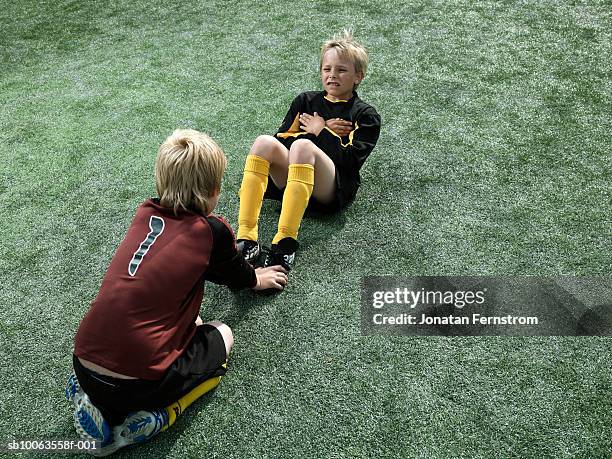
474,319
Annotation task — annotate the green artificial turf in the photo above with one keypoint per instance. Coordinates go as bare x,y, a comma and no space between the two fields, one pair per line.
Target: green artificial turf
494,158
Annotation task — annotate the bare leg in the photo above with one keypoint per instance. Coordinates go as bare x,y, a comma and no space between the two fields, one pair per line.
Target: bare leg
303,151
270,149
226,333
311,173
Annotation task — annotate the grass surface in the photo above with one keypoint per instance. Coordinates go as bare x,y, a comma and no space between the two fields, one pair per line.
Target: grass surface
494,158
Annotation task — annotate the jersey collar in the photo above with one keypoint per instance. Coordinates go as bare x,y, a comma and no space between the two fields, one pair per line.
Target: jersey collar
339,101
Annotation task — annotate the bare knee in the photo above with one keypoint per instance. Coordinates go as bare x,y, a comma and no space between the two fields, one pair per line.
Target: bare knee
269,148
302,151
226,333
264,142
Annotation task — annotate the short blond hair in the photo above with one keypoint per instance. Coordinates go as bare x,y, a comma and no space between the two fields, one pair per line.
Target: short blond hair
188,171
348,48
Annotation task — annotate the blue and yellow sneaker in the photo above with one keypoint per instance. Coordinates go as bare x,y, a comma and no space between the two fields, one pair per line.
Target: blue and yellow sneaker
141,426
90,424
72,388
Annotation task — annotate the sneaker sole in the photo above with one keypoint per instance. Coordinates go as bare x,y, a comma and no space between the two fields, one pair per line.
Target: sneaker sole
121,441
72,387
88,421
90,424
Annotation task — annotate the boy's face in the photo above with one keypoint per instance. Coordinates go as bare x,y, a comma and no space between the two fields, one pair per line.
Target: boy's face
338,75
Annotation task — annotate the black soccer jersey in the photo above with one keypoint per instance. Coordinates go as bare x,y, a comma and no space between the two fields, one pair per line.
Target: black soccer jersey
348,153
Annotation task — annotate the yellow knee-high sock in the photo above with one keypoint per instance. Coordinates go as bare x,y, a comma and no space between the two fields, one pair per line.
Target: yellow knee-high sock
300,183
254,183
182,403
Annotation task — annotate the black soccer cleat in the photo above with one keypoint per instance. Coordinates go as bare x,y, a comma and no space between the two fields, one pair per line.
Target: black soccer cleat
282,254
249,250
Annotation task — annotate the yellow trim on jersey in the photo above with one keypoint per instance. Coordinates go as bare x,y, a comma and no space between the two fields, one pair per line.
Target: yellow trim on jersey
334,101
350,136
294,129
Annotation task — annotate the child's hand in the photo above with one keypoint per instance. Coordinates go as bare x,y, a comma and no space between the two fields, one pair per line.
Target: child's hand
339,126
271,277
312,124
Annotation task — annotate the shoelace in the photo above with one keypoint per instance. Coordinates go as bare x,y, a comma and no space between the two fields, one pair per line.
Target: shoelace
274,257
251,251
265,251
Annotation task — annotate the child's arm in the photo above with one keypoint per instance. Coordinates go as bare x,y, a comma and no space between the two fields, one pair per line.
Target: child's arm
228,267
361,141
341,127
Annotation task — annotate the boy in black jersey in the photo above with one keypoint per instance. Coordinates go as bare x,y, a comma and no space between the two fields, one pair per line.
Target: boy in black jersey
314,159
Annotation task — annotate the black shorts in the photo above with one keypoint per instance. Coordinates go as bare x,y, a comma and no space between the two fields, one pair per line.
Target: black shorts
205,358
337,203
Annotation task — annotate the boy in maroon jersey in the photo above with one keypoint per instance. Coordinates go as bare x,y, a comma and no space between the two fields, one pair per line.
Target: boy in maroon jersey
142,354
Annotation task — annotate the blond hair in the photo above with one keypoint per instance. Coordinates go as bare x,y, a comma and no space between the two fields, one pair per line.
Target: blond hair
348,48
188,171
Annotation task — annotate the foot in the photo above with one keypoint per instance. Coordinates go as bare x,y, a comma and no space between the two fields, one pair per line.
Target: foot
249,249
88,420
91,425
140,426
72,388
137,428
282,253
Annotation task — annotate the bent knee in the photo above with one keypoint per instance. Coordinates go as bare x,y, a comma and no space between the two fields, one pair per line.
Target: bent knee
302,144
226,334
302,151
267,147
223,328
265,141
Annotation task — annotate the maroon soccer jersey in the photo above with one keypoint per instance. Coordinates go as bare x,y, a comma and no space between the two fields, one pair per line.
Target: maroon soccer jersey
144,315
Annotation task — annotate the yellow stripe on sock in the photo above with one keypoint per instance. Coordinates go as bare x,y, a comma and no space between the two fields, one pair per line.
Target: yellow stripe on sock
300,183
254,184
177,408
